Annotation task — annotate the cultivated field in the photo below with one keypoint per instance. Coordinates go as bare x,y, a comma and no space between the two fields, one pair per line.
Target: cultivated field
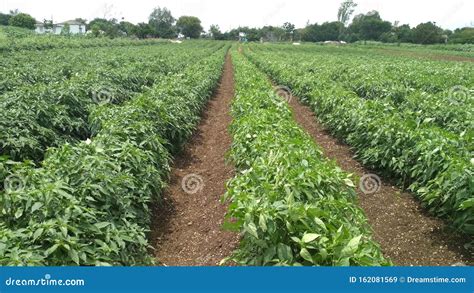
124,152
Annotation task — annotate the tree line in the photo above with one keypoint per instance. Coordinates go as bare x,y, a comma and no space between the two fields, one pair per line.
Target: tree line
363,27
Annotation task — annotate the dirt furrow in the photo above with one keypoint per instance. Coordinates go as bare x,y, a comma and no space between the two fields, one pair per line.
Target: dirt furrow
405,232
187,228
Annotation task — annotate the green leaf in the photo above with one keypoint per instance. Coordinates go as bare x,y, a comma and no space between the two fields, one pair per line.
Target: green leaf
308,237
352,246
467,204
284,252
18,213
252,229
269,254
349,182
37,233
51,249
306,255
36,206
74,256
262,222
320,223
102,225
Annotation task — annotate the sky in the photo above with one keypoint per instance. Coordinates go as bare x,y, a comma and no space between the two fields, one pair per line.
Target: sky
448,14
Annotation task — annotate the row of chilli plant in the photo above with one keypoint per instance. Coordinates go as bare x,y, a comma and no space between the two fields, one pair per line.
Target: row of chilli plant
45,42
436,165
89,203
430,92
21,69
56,65
291,205
39,116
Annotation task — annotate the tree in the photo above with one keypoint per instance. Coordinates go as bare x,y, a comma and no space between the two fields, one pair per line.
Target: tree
23,20
4,18
127,28
215,32
100,26
161,21
289,29
270,34
328,31
427,33
143,30
463,36
48,24
190,26
369,26
345,11
403,33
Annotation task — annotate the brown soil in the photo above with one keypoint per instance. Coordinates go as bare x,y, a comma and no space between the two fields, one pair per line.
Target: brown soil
187,228
407,235
433,56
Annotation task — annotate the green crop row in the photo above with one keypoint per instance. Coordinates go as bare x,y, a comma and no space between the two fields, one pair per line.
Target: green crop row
291,205
429,92
89,203
437,165
44,42
39,116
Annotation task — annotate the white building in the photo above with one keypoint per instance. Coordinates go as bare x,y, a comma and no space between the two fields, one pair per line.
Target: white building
75,27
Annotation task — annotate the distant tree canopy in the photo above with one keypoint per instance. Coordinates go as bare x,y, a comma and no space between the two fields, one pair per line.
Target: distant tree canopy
427,33
463,36
328,31
22,20
102,26
368,26
4,18
190,26
215,32
162,23
345,11
143,30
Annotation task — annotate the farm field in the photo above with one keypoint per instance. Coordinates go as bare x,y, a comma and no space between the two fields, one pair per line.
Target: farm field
219,153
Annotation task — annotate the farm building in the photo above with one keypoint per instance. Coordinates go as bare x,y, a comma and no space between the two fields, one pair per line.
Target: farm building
75,27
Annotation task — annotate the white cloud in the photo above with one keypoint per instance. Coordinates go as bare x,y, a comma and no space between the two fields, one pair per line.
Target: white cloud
230,14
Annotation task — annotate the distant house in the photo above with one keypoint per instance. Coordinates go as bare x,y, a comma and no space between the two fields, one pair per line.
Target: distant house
75,27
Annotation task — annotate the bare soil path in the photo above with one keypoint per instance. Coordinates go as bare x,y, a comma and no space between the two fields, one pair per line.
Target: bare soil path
407,235
186,229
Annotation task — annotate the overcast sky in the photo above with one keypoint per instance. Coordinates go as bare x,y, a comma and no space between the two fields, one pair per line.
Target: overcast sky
230,14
